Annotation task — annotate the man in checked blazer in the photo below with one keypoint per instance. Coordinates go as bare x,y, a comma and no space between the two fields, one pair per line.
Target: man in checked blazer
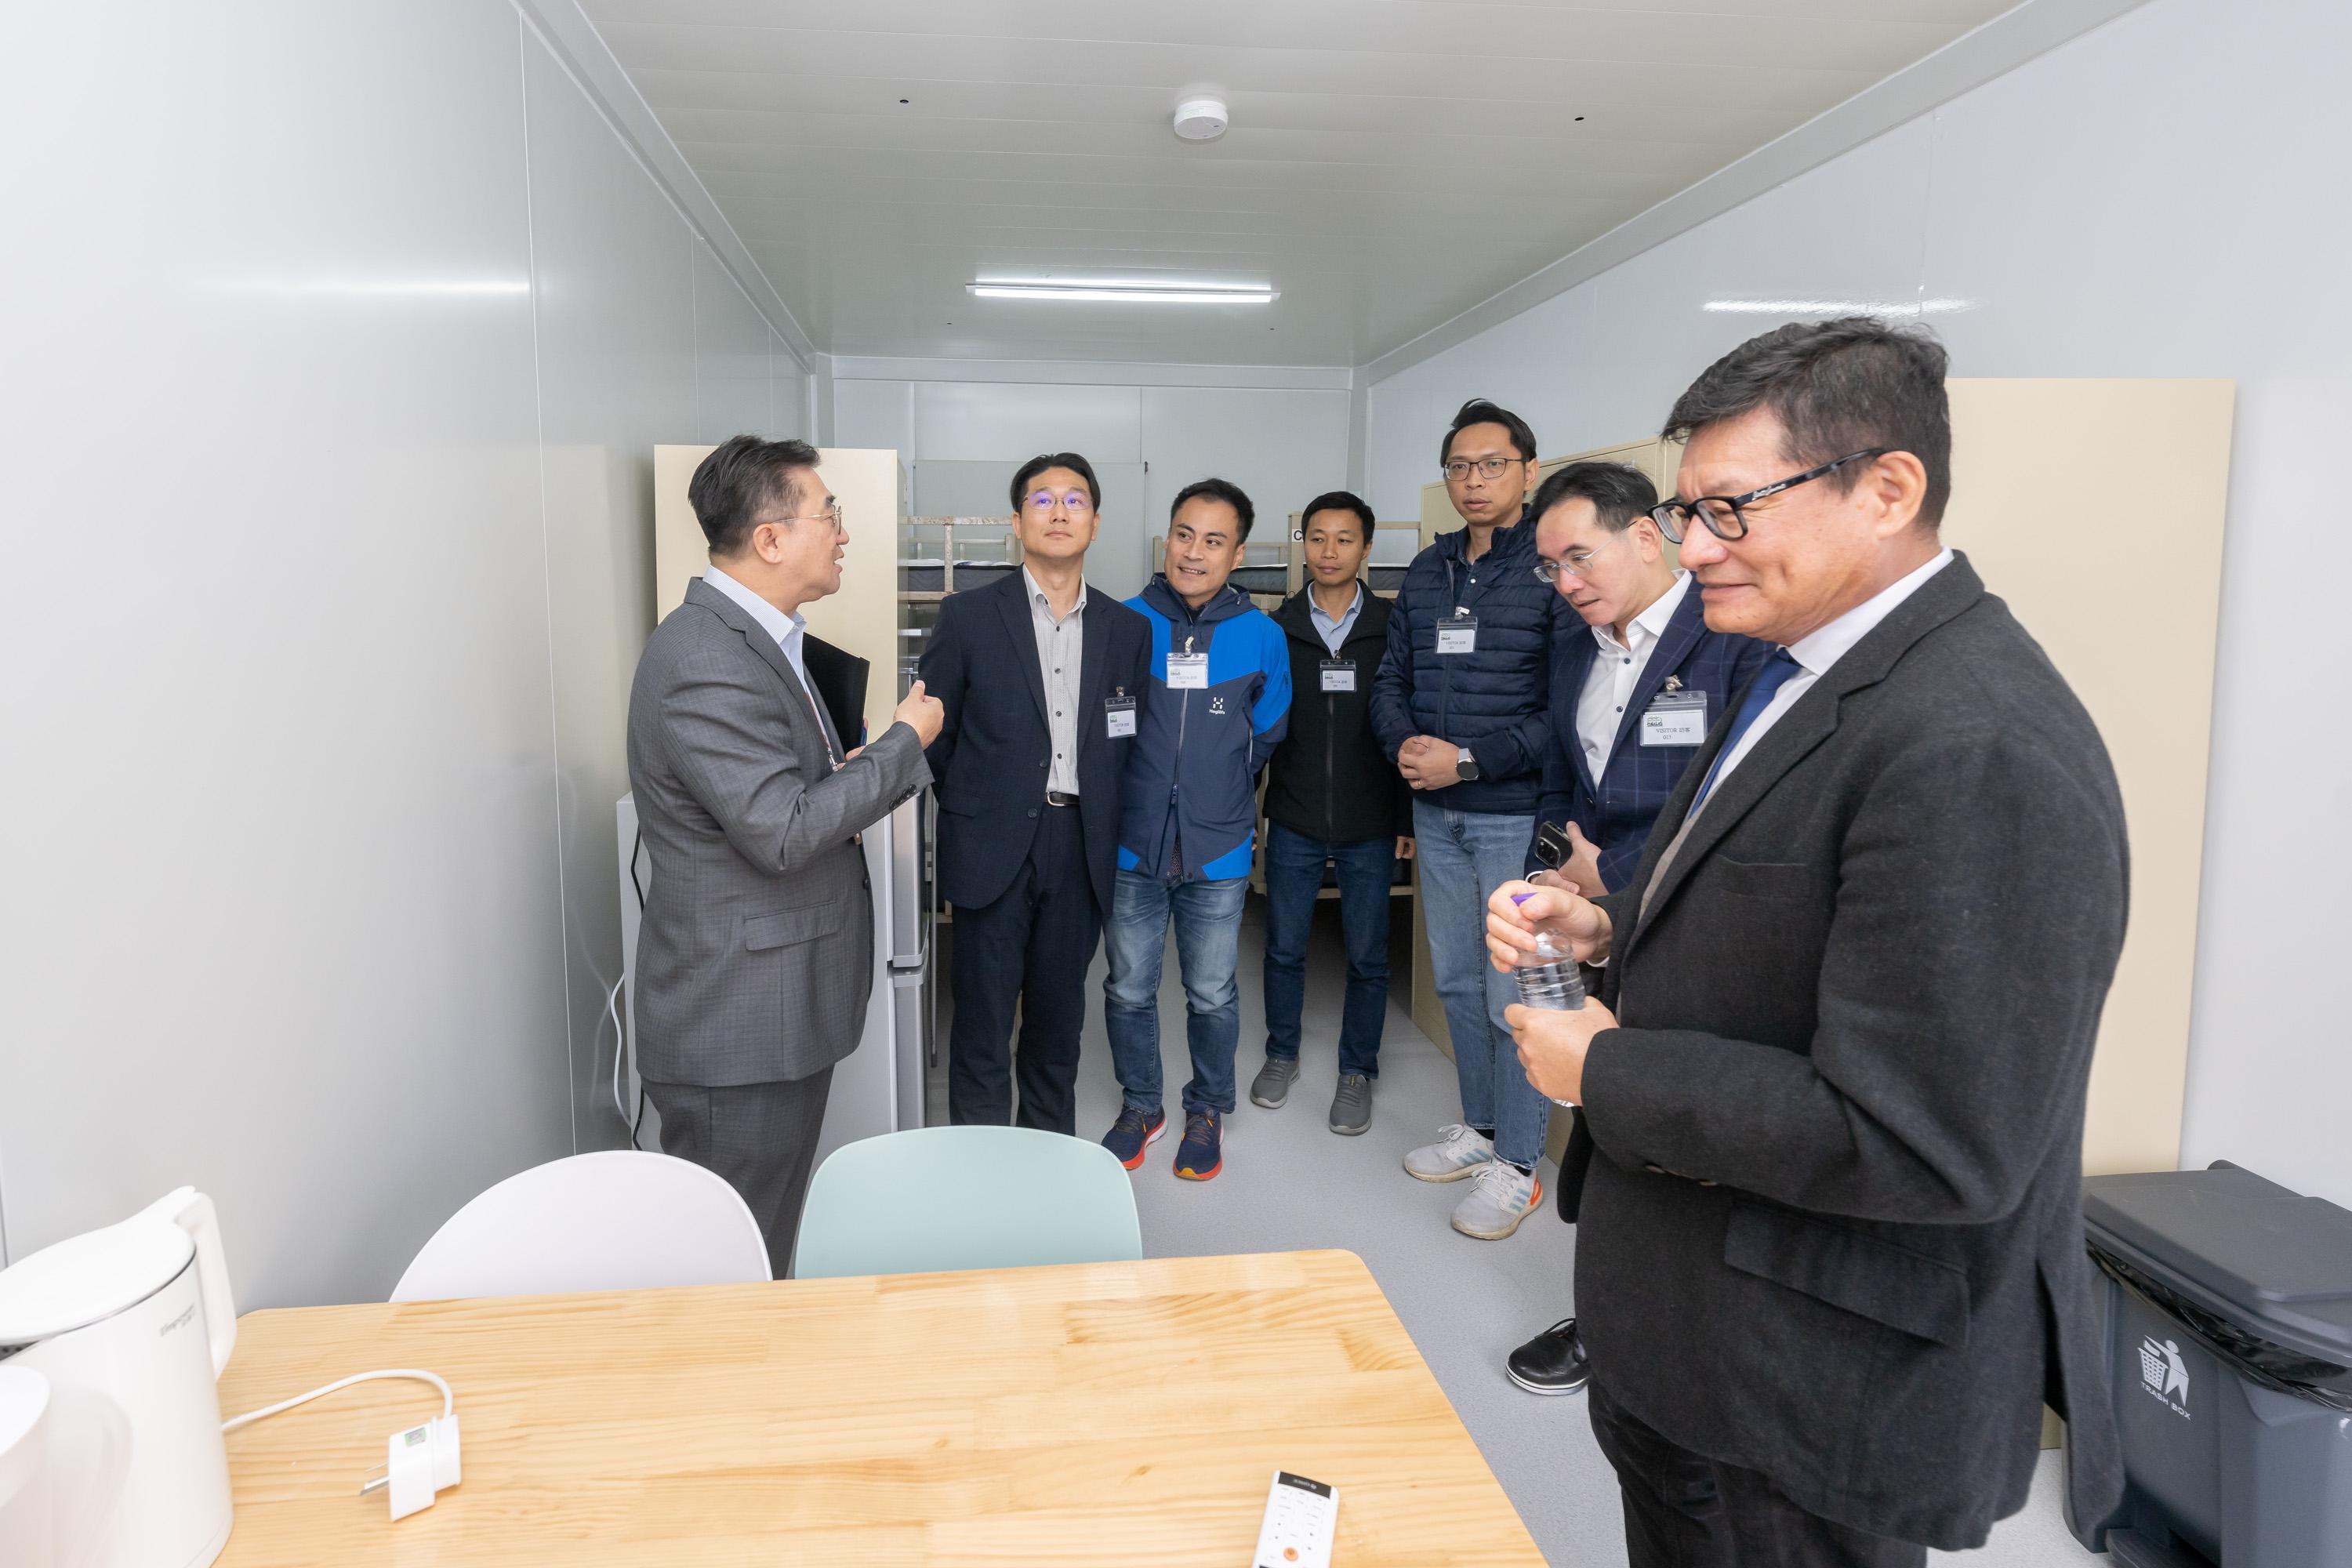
757,945
1830,1260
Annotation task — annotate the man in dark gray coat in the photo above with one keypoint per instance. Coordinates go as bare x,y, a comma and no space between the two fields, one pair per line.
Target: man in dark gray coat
1830,1257
757,947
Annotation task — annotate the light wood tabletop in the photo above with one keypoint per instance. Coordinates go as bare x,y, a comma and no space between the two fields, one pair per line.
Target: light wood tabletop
1115,1413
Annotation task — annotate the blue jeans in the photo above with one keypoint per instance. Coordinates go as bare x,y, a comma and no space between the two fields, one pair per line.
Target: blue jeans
1208,918
1294,871
1465,856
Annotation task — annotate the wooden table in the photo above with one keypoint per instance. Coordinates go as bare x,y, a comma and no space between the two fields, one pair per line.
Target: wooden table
1102,1414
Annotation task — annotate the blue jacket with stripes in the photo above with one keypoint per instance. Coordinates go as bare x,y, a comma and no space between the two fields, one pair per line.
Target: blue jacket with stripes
1188,801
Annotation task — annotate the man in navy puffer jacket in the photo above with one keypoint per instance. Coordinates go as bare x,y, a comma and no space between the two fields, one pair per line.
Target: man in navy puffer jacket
1461,706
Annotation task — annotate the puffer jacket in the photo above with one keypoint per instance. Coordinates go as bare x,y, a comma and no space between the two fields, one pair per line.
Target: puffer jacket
1188,800
1494,700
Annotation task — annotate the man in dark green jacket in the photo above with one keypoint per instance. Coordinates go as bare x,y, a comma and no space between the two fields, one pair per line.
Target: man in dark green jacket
1331,798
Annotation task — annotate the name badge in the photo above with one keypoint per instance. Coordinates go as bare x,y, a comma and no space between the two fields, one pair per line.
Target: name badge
1188,672
1458,633
1338,675
1119,715
1674,718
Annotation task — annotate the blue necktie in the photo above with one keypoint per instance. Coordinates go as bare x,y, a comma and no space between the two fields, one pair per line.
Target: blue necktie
1768,680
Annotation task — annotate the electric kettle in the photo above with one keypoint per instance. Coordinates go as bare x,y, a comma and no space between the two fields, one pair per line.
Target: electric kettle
131,1326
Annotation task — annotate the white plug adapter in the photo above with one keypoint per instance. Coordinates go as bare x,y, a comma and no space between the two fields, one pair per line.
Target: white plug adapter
418,1463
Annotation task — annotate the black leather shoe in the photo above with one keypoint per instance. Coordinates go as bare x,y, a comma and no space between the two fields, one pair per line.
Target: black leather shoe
1551,1363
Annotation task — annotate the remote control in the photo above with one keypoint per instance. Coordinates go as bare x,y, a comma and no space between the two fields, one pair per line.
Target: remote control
1299,1516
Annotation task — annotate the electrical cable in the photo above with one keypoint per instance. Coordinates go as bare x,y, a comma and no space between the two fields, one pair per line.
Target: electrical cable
448,1400
621,1038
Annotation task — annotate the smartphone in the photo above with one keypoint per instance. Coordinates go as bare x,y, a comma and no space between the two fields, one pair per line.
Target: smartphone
1552,846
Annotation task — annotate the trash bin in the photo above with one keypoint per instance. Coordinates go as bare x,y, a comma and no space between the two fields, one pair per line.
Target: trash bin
2229,1328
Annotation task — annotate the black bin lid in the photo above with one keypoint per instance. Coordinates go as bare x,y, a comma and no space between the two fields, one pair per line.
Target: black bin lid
2275,1263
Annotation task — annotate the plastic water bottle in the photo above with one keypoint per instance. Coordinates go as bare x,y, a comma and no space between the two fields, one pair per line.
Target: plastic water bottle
1549,977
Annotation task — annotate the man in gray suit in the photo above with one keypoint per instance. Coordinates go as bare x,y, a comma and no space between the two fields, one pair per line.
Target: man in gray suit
757,946
1827,1167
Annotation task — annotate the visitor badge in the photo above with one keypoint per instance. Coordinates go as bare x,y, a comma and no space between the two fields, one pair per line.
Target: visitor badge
1188,672
1674,718
1338,675
1458,633
1118,714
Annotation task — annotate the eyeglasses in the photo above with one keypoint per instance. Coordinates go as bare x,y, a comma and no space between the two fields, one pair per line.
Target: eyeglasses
831,515
1726,516
1074,504
1574,563
1488,468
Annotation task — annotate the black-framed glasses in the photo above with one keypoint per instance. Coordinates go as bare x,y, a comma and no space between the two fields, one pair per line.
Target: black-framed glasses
1488,468
1726,516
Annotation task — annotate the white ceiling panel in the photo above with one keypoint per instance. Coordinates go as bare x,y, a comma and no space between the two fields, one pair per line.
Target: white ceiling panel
1390,163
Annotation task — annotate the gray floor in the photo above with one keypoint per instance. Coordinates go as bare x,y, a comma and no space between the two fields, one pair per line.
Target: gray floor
1288,1183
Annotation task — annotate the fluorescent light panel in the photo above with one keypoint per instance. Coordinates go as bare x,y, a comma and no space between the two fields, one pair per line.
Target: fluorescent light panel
1839,307
1124,293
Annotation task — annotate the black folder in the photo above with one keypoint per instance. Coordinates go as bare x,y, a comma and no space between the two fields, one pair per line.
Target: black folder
838,678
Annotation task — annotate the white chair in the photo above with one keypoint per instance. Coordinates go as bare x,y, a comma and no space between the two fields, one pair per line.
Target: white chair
619,1220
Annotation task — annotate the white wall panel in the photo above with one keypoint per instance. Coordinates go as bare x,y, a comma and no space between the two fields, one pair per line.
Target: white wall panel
328,443
1284,449
289,862
2138,201
972,422
875,414
732,378
787,392
617,363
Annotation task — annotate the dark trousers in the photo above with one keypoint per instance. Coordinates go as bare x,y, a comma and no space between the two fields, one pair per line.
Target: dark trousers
762,1137
1031,947
1683,1510
1293,872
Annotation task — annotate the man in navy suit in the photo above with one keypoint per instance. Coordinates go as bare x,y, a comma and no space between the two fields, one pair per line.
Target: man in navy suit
1630,700
1041,677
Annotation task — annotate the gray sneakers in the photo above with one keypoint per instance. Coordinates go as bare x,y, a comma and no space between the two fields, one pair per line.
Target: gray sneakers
1351,1105
1459,1152
1272,1085
1504,1195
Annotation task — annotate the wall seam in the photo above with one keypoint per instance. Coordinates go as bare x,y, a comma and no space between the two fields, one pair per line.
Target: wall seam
547,577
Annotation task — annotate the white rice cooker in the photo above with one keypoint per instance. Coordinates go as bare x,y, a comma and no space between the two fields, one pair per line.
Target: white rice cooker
128,1328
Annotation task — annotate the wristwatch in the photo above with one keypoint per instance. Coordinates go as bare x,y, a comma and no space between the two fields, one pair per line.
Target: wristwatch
1466,765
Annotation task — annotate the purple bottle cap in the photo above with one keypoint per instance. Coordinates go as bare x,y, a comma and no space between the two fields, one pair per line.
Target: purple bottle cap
1521,897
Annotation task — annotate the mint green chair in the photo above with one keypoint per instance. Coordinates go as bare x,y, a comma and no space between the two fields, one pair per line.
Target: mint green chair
936,1198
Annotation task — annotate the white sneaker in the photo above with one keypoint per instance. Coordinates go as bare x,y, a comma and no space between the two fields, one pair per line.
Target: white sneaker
1459,1152
1504,1196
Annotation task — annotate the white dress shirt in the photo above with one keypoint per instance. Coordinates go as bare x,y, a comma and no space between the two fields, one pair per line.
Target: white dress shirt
1061,656
1334,632
787,631
1817,651
1616,669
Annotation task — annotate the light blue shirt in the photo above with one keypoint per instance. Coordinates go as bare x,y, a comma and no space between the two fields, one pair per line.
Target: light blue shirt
786,629
1334,633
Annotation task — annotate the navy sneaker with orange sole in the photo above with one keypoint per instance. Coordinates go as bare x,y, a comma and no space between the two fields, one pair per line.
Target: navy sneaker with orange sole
1202,1154
1132,1134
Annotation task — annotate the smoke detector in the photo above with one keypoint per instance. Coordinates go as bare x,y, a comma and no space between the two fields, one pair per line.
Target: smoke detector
1201,118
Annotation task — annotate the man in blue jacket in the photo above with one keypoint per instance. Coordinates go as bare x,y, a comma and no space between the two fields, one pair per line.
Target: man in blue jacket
1633,696
1460,706
1215,706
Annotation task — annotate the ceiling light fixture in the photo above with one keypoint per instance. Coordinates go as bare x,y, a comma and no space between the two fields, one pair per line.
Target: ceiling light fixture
1126,293
1839,307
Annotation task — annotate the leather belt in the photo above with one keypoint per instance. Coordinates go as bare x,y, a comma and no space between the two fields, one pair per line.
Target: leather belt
1060,798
